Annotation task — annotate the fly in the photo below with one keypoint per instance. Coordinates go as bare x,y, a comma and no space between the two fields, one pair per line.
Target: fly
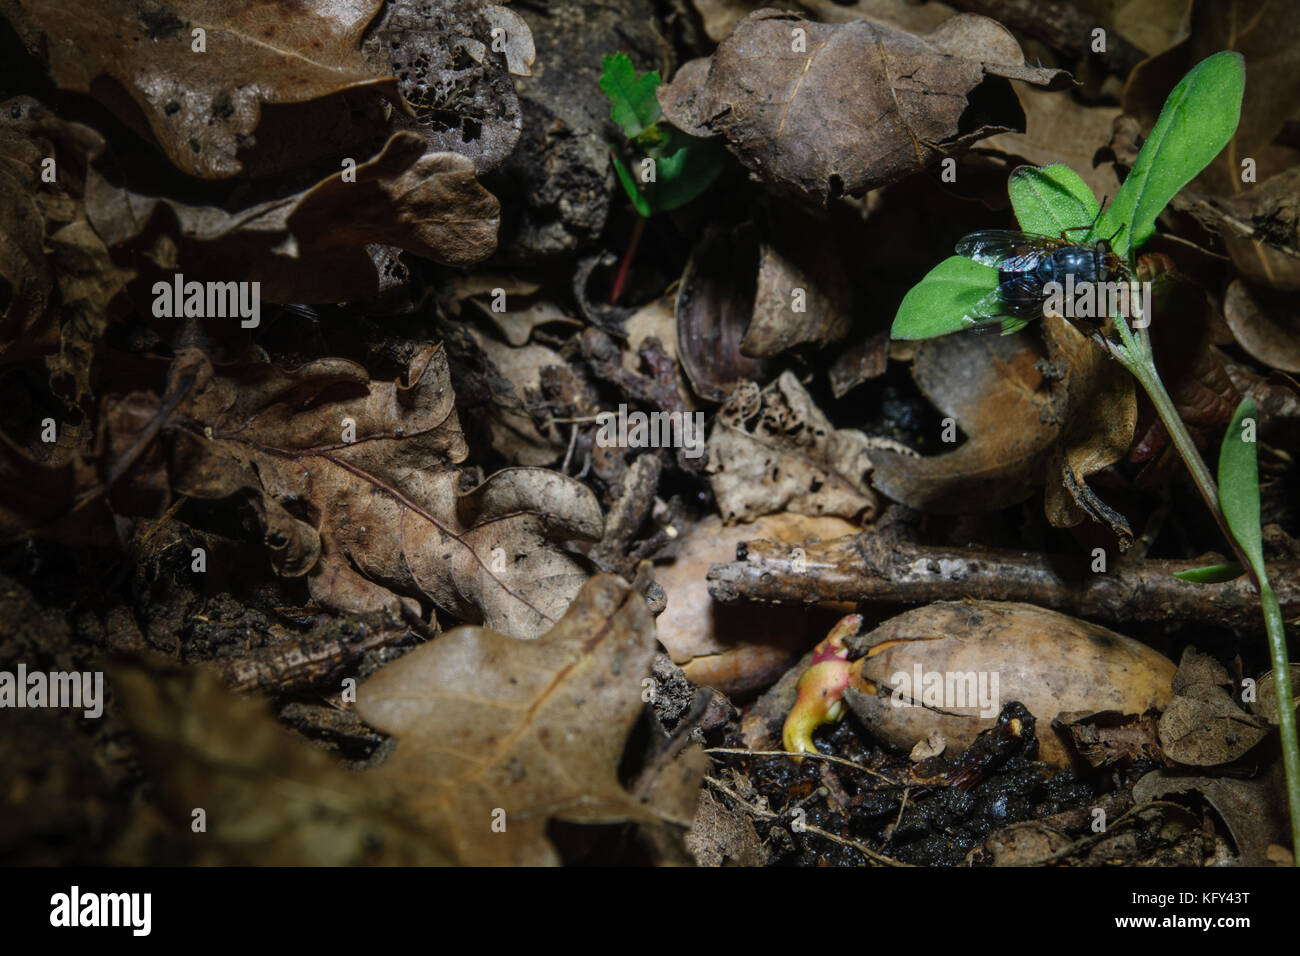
1026,263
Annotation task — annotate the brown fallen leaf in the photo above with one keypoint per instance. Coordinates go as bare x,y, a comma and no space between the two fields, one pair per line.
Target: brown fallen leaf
1204,726
1265,702
826,110
774,450
1110,737
312,246
1266,325
60,285
268,796
1049,662
356,486
497,736
202,108
993,387
514,432
803,295
1060,129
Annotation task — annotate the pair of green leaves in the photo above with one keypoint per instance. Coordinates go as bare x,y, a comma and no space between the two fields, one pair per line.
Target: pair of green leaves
1198,119
683,166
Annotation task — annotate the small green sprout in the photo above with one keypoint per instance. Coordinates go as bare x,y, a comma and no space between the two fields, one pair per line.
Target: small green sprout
671,168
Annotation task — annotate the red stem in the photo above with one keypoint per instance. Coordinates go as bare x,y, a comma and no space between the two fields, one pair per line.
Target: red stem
621,278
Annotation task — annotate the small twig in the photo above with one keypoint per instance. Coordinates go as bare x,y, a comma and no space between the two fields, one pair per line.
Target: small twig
875,567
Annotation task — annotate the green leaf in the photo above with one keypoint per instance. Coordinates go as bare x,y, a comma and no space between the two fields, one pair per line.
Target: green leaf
1052,200
1212,573
1239,485
685,172
639,200
938,303
633,105
1198,119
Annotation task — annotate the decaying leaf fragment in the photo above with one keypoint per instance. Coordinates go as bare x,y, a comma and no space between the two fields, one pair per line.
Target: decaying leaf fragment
356,485
269,797
311,247
52,264
450,71
496,736
1203,725
978,656
831,109
202,106
774,450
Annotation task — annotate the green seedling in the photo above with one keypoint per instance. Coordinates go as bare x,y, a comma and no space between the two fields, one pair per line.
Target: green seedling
668,168
1197,121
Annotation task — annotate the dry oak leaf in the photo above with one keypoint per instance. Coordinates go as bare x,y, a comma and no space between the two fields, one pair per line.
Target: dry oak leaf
202,108
356,483
829,109
271,798
487,724
791,459
311,246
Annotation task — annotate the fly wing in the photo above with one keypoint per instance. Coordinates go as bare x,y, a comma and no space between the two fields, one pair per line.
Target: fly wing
1010,250
1011,306
988,311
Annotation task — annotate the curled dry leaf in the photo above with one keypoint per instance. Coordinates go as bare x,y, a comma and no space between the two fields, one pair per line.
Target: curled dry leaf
774,450
1100,404
1204,726
202,108
802,295
993,387
356,485
311,247
1266,326
487,724
270,797
829,109
715,302
1047,661
1254,811
737,648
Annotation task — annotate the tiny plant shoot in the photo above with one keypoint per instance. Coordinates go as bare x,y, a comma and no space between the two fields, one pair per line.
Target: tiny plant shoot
668,168
1197,121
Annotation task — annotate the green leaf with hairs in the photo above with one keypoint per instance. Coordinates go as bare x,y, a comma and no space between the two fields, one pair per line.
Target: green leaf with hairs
1198,119
1052,200
939,303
